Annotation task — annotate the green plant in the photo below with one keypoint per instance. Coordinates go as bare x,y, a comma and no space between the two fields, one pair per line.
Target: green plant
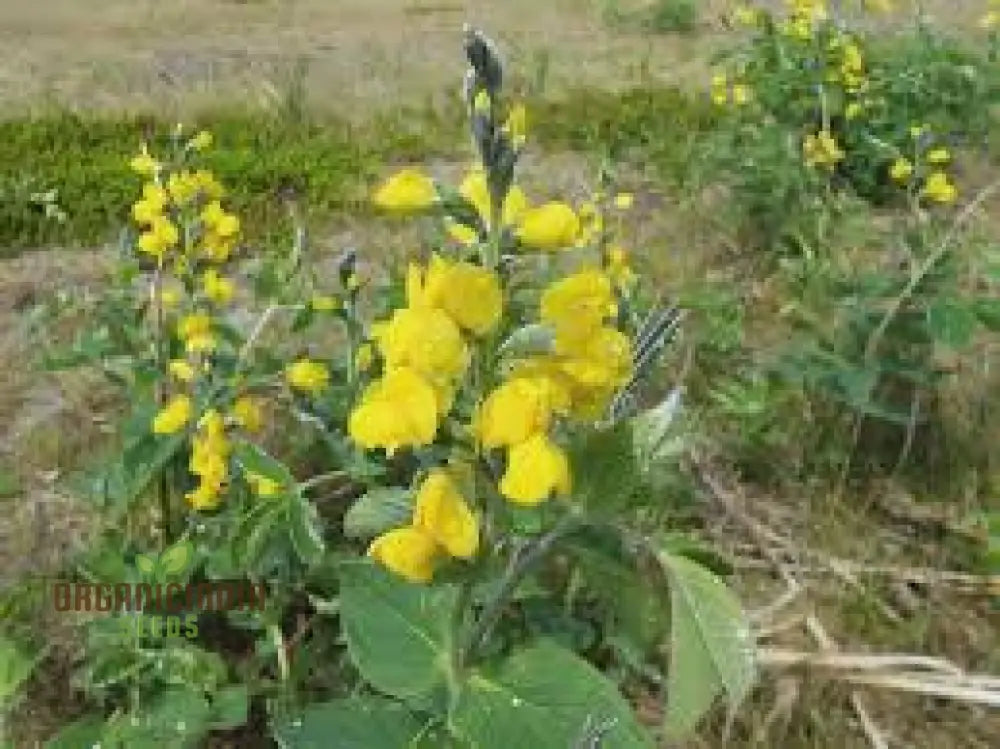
472,422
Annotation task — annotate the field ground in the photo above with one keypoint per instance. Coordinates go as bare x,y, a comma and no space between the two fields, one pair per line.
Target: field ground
357,60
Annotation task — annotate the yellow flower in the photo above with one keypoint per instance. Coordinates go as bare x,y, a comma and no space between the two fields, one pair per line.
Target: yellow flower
549,227
443,514
161,236
196,332
601,360
399,410
206,496
144,164
468,293
407,191
578,304
916,131
940,189
218,222
308,376
151,206
516,125
741,94
210,452
901,170
408,552
617,266
181,370
263,486
207,184
248,412
182,187
475,190
821,149
425,339
853,110
535,469
720,89
624,201
325,303
174,416
201,142
363,357
938,156
518,409
216,287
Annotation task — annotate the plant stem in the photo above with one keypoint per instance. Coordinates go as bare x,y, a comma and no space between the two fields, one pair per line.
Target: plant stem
522,561
163,484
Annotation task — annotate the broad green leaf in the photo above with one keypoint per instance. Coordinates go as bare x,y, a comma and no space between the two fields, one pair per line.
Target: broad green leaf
352,723
951,322
177,719
379,510
254,460
544,697
86,732
304,529
15,667
605,475
711,648
398,633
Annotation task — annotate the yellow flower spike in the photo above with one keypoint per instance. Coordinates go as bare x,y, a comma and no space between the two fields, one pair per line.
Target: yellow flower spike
407,552
364,357
535,469
182,187
551,226
940,189
217,288
720,89
407,191
516,410
144,164
181,370
262,486
151,206
938,156
325,303
248,412
195,330
201,142
308,376
901,170
174,416
399,410
443,514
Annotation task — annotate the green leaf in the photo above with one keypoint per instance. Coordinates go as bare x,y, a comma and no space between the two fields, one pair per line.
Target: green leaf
229,707
15,668
711,648
305,530
379,510
9,484
605,475
398,633
177,719
145,564
951,322
254,460
353,723
541,697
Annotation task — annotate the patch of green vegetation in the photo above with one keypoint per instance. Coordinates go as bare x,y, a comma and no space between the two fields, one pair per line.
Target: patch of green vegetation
657,17
326,164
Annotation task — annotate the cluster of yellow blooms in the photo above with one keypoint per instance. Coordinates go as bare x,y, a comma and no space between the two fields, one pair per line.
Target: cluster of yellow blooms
937,186
183,221
821,150
454,305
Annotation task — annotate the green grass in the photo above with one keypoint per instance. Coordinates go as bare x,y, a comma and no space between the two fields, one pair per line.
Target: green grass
327,164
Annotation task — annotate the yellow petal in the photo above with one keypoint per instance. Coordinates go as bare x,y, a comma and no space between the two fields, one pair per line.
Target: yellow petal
443,514
549,227
535,469
408,552
407,191
174,416
399,410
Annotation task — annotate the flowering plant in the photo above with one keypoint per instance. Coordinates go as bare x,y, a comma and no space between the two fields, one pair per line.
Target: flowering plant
479,424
